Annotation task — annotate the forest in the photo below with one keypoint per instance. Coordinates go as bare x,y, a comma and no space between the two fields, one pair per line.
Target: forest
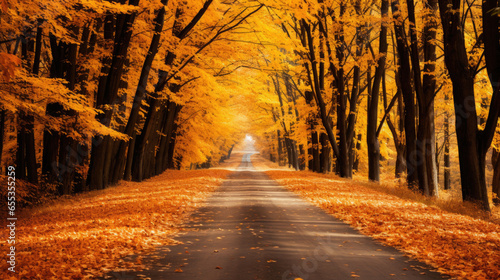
95,91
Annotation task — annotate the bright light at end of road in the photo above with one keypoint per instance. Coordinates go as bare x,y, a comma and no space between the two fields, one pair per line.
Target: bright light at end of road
249,138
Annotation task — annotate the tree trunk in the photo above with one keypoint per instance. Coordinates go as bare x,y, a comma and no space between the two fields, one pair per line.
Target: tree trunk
371,134
280,148
447,164
495,161
27,125
302,158
426,132
170,130
357,153
21,150
67,150
2,136
325,118
141,140
472,143
345,169
326,164
355,145
296,164
316,162
130,158
171,150
422,129
121,160
107,95
163,145
404,72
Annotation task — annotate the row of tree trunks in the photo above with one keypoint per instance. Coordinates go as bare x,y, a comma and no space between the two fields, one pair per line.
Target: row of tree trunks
124,158
316,84
146,142
119,29
290,145
26,152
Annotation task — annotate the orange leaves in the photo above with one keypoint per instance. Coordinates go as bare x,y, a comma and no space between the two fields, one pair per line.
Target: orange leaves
8,62
84,236
458,245
4,5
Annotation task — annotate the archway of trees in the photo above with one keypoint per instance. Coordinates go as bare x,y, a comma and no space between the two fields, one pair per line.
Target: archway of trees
93,92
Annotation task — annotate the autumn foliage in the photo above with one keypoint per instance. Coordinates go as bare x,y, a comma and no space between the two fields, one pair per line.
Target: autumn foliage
84,236
457,245
97,92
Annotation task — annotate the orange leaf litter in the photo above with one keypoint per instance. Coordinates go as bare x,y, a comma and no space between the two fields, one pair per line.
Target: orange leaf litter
85,236
457,245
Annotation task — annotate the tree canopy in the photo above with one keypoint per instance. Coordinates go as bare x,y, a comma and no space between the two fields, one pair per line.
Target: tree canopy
93,92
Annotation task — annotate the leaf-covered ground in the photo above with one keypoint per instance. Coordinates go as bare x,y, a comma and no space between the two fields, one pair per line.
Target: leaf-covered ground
86,235
458,245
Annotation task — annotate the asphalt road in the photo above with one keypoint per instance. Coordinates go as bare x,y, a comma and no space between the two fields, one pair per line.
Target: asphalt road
252,228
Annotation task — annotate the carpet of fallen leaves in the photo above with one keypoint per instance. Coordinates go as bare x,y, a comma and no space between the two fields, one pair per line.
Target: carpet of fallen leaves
84,236
458,245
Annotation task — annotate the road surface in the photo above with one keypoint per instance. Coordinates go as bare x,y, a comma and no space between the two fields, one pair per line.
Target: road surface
254,229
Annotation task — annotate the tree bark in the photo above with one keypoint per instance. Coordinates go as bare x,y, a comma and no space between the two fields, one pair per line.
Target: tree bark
495,161
371,134
345,169
325,119
21,150
2,136
316,162
280,148
472,143
404,72
118,172
107,95
421,163
426,135
326,163
26,131
67,149
447,163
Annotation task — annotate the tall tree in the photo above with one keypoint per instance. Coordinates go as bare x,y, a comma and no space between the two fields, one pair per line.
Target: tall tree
371,134
140,93
107,91
404,71
473,143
